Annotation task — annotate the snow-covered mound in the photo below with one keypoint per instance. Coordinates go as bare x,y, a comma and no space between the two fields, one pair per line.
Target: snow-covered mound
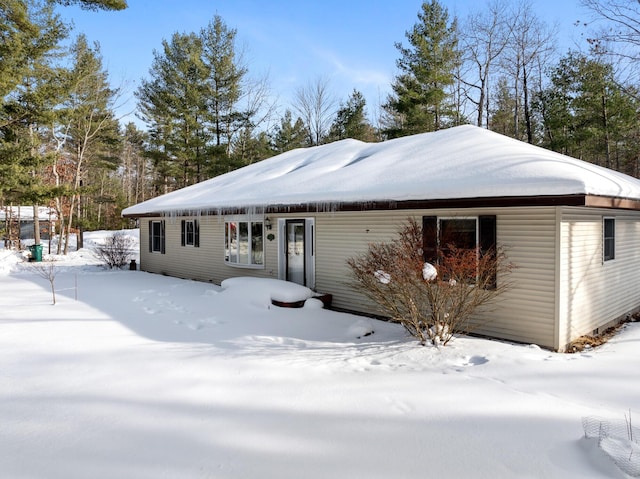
266,290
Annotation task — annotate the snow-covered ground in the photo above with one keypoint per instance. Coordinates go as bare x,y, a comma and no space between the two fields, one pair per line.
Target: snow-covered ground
146,376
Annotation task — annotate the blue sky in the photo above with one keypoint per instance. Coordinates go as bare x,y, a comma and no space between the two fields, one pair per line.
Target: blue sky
349,42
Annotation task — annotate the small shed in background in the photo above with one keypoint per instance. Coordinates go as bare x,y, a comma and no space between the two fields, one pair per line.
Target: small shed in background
16,223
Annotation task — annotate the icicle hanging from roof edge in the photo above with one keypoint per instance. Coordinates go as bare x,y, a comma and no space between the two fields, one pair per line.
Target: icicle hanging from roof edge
324,206
255,212
198,213
172,215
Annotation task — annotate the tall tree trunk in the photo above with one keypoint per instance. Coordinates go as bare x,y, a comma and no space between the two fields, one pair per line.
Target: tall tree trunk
487,111
61,225
36,224
527,113
605,125
516,110
481,101
67,233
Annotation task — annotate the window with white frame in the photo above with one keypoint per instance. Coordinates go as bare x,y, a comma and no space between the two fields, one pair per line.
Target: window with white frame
156,237
190,233
244,242
608,239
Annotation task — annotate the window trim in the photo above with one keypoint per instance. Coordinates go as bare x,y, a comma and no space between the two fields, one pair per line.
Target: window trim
161,237
606,257
250,220
195,232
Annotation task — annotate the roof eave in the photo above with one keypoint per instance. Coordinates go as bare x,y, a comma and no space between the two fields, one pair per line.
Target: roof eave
592,201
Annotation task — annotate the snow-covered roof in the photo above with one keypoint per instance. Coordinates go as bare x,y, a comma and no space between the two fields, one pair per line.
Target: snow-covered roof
25,213
461,162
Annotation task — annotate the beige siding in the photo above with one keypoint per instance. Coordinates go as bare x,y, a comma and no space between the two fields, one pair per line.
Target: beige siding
525,313
205,263
593,292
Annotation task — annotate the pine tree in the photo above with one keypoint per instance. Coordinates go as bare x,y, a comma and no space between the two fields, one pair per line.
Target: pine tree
191,105
249,148
506,114
35,100
289,134
421,101
224,80
30,93
87,122
587,114
351,120
30,31
174,104
96,4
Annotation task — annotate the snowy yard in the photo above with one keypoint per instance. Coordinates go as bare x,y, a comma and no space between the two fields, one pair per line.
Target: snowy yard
146,376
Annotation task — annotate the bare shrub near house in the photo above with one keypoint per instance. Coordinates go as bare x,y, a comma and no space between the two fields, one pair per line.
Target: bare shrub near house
432,301
117,250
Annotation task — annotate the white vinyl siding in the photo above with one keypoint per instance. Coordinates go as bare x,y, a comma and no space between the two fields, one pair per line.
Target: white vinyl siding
593,292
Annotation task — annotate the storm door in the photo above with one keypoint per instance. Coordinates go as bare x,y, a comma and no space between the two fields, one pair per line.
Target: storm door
295,251
297,263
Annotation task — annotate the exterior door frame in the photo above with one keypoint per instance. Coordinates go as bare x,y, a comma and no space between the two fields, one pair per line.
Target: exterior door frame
309,249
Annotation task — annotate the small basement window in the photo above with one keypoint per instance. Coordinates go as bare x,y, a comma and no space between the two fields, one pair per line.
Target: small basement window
609,239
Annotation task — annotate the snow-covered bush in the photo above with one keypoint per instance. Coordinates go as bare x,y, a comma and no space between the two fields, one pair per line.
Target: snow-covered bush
117,250
432,301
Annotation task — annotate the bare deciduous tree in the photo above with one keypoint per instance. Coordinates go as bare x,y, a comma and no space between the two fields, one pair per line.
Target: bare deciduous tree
531,43
615,33
47,270
484,38
621,25
315,104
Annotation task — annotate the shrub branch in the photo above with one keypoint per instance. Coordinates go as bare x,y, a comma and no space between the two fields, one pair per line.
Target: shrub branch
432,302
